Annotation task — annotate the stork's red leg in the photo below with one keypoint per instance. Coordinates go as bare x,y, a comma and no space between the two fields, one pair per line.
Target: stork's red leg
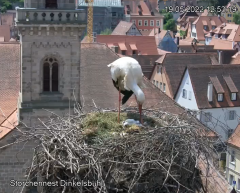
119,102
140,112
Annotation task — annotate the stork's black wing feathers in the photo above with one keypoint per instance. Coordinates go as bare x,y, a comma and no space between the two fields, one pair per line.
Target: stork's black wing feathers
127,94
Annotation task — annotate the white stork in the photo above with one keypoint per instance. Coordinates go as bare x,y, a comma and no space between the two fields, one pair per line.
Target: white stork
127,77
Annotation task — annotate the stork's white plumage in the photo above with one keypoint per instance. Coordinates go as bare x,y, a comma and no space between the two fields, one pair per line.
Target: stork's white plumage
127,77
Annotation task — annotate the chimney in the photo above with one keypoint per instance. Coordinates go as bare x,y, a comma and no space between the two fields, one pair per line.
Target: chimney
210,92
220,57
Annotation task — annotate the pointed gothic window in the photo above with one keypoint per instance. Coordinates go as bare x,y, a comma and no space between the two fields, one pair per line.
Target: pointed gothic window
50,75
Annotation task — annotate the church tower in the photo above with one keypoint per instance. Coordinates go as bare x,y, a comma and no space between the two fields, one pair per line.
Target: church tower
50,33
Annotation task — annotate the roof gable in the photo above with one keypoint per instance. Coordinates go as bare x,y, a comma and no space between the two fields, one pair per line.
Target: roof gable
146,45
175,64
122,28
234,138
200,79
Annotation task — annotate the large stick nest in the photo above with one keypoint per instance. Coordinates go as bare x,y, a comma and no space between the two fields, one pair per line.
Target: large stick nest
157,158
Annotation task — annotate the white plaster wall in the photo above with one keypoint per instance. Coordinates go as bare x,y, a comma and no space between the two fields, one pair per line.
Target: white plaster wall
194,31
220,122
208,40
186,84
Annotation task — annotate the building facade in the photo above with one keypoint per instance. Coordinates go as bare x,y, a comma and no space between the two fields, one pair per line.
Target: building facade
144,14
233,159
213,94
50,57
106,14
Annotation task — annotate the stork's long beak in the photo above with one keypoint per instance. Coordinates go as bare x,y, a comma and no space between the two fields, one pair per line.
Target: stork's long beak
140,112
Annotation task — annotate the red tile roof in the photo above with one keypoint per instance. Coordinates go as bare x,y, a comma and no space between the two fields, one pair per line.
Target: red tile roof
122,28
234,139
9,80
141,7
98,86
145,44
200,78
175,64
207,20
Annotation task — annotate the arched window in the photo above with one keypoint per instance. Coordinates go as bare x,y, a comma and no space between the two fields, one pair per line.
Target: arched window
50,75
51,4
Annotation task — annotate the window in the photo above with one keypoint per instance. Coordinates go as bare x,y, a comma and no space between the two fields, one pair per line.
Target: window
133,28
161,85
140,22
208,117
159,69
164,87
190,95
134,21
194,34
157,23
232,156
233,96
114,14
216,35
153,81
134,52
220,97
184,94
231,179
238,187
231,115
50,75
123,52
145,22
152,23
205,27
157,83
213,27
51,4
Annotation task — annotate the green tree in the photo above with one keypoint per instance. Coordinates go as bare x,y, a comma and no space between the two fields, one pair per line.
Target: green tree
236,18
167,15
8,3
170,25
3,9
106,32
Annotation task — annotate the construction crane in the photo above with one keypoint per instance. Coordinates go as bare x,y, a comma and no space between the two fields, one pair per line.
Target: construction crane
90,21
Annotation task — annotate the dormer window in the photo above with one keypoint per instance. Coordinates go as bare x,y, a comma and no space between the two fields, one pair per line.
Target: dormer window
213,27
205,27
233,96
220,97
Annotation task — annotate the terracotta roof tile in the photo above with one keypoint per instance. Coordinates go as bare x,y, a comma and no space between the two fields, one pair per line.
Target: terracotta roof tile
232,87
99,87
145,44
9,79
200,79
9,124
207,20
122,28
5,32
234,139
216,83
221,44
146,6
175,64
